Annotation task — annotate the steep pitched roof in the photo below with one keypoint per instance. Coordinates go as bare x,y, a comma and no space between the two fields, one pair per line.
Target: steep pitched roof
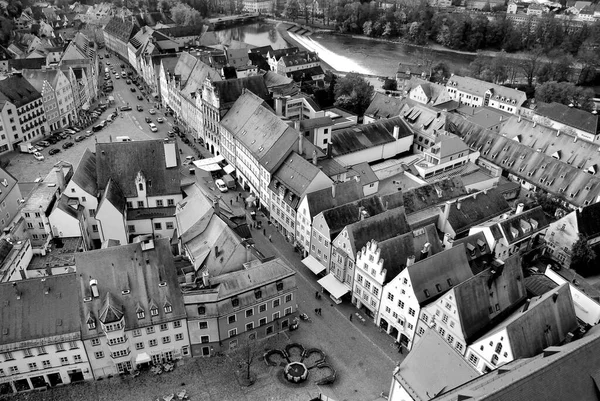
113,195
146,270
479,254
478,87
431,367
476,209
18,91
122,30
524,224
498,289
339,217
196,77
37,77
122,161
570,116
588,221
47,307
380,227
294,174
324,199
85,175
420,198
231,89
367,136
438,273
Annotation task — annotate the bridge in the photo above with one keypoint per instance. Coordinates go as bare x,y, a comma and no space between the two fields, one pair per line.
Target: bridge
231,20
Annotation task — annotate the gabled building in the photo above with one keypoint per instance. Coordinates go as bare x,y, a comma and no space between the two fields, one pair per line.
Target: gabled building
10,198
569,120
476,305
354,237
131,307
516,234
41,340
476,93
117,34
542,322
57,96
75,58
382,106
428,93
417,285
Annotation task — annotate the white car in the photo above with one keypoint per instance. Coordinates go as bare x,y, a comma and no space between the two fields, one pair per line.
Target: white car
160,120
153,127
38,156
152,111
221,185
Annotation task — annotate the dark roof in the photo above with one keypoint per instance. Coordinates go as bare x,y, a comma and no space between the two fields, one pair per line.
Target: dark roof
150,213
446,269
476,209
182,31
420,198
134,267
18,91
571,116
305,73
588,221
366,136
85,175
39,315
231,89
385,225
539,284
396,250
339,217
122,161
479,254
114,195
324,199
5,248
262,50
366,173
383,106
151,19
514,224
499,289
63,204
120,29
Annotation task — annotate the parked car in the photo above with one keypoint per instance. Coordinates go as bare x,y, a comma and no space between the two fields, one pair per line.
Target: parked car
88,133
160,120
171,134
132,89
102,106
70,131
139,108
79,138
108,63
152,111
221,185
38,156
185,140
140,97
43,144
123,74
52,140
67,145
128,82
53,151
153,127
122,65
176,128
125,108
148,119
117,76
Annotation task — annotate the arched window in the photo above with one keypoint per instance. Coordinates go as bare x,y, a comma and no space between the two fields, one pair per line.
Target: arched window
495,359
141,186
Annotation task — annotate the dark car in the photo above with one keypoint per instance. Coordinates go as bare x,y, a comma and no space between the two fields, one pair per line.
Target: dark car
43,144
122,65
125,108
139,108
132,89
176,128
52,140
185,140
140,97
148,120
53,151
67,145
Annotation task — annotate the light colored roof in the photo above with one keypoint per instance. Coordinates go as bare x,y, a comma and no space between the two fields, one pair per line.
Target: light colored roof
383,106
432,367
296,174
478,87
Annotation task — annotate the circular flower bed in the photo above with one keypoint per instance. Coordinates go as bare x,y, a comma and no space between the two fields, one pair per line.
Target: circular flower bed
296,372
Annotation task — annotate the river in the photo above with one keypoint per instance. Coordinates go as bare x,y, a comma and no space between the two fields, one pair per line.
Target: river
343,53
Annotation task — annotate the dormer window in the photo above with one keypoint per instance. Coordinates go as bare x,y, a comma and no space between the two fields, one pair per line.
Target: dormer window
258,294
168,308
91,323
141,186
140,314
279,286
235,302
154,311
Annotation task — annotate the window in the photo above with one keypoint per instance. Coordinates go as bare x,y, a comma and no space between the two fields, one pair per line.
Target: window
42,350
95,342
60,347
137,332
27,353
141,186
166,340
150,330
450,339
154,311
140,314
249,312
442,331
445,318
288,298
401,304
140,204
473,359
64,360
95,228
276,303
421,331
169,225
99,355
131,229
159,202
279,286
359,278
275,315
178,336
158,226
170,202
411,311
375,291
494,359
459,346
153,342
390,296
45,364
231,319
262,321
177,324
249,326
139,346
201,309
77,358
32,366
232,333
235,302
498,348
13,370
164,326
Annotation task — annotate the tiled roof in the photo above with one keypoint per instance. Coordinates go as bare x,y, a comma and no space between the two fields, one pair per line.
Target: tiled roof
38,315
113,195
11,182
18,91
420,198
122,161
476,209
339,217
85,175
324,199
539,284
439,273
299,58
129,267
383,106
230,90
147,213
524,224
385,225
479,254
478,87
499,288
588,221
448,144
362,137
37,77
423,120
570,116
365,172
122,30
182,31
295,174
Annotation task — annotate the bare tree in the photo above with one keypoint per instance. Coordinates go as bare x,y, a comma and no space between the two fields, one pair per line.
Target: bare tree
244,354
531,63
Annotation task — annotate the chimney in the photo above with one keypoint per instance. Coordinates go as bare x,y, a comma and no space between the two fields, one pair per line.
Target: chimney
445,216
519,119
425,251
94,288
60,178
216,251
458,205
360,213
248,253
278,106
520,208
333,190
205,278
17,292
448,241
300,138
217,206
314,157
396,132
410,260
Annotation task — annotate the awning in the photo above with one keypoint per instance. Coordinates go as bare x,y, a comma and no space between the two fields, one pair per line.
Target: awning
209,167
313,264
333,286
142,358
228,169
85,107
210,164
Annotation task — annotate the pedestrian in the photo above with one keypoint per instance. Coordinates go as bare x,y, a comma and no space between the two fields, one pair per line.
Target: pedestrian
270,238
317,294
231,202
319,311
316,311
265,232
400,349
351,317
